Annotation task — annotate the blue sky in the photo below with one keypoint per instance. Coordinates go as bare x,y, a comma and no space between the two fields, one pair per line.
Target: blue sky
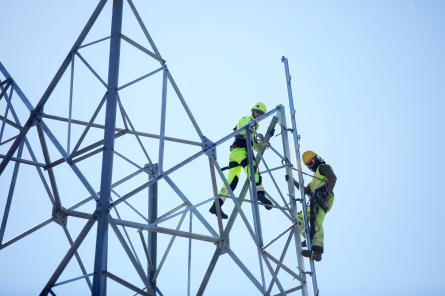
368,82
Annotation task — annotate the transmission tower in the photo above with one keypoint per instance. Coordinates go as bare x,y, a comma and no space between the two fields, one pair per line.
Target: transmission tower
99,152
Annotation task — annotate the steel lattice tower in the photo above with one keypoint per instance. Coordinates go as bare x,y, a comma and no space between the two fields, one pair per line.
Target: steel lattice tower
102,161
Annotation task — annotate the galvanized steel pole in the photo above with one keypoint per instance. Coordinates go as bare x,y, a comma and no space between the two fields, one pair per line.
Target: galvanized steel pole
152,241
102,207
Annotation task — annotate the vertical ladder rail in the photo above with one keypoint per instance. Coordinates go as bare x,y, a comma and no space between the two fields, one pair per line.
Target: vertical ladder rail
293,202
300,174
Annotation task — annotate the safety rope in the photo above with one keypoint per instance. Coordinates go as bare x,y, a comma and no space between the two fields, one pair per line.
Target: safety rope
286,162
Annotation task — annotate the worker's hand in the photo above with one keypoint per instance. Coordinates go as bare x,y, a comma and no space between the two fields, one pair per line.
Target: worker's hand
261,144
310,193
296,184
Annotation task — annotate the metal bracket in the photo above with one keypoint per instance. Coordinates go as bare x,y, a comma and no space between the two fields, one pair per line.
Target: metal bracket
294,198
223,246
286,162
208,147
96,214
60,215
152,169
37,116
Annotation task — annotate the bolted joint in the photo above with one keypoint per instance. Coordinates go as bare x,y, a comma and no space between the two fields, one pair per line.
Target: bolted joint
153,169
60,215
36,116
223,246
96,215
209,147
100,211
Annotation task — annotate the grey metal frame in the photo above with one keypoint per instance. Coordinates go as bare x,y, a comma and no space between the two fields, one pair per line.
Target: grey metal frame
73,154
299,169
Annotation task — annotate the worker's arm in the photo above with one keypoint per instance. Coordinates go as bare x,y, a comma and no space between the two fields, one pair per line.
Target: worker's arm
327,171
307,190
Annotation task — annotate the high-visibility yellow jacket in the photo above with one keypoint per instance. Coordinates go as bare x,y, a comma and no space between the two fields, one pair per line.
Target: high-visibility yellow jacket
240,140
324,175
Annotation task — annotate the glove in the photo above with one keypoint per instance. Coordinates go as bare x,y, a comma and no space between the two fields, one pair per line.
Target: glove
295,182
259,145
272,132
310,193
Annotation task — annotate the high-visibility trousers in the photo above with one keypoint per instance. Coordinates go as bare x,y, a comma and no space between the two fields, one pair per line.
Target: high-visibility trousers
237,160
315,224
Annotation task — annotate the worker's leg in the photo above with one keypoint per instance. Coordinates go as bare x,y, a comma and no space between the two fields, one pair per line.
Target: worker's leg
261,195
300,220
258,178
232,179
318,239
235,158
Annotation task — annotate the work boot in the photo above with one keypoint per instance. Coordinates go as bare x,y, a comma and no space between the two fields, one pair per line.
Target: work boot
213,209
316,256
306,253
311,254
262,198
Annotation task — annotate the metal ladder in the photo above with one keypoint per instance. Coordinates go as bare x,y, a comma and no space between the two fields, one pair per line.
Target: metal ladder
296,139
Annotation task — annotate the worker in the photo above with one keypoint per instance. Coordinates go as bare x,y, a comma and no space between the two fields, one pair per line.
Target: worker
238,159
320,190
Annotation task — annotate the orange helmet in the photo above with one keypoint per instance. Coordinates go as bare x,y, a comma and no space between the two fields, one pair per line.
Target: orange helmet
308,156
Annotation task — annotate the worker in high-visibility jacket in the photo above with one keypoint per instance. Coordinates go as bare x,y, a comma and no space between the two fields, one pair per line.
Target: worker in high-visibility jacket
238,159
321,193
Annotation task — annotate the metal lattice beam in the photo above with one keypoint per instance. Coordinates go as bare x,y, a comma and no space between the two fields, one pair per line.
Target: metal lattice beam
35,143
